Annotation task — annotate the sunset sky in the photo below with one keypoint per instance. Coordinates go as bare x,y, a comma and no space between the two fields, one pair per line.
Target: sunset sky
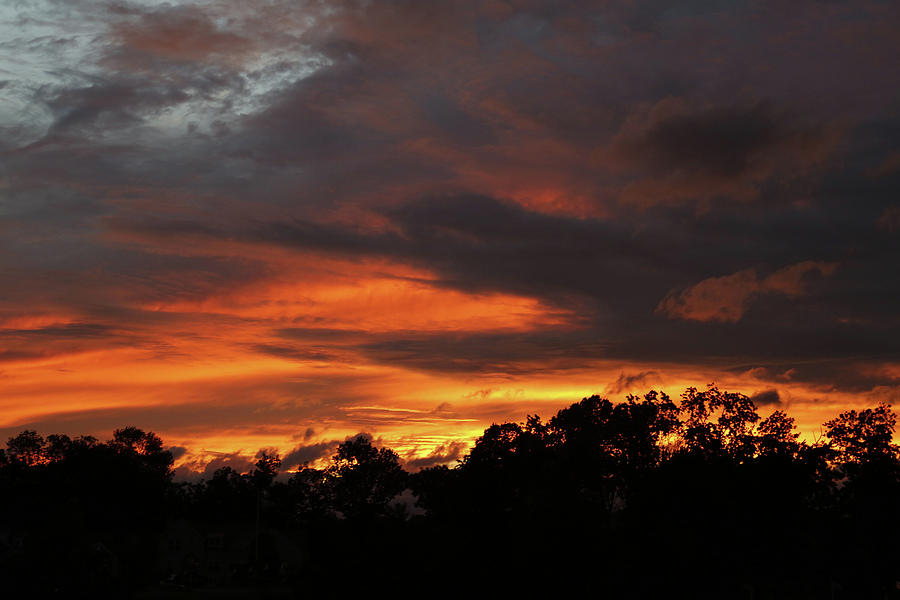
276,224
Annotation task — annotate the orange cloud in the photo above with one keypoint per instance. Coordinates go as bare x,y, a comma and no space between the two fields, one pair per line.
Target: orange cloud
726,298
36,321
375,304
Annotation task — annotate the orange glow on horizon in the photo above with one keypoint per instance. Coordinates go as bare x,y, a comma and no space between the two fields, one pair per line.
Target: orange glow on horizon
256,365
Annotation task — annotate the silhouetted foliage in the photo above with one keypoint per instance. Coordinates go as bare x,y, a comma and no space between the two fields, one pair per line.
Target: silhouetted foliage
80,516
26,448
308,493
718,423
362,479
776,436
859,438
639,498
265,470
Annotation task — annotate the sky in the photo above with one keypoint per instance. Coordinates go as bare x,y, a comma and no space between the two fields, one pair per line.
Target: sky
276,224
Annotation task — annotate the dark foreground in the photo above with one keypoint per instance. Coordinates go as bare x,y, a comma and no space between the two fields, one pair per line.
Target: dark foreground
645,498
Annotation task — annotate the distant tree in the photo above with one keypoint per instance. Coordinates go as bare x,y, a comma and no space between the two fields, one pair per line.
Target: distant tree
363,479
436,489
718,423
226,482
867,496
308,491
627,435
865,436
136,440
776,436
58,447
589,457
644,424
497,445
146,446
584,425
505,472
78,506
27,448
265,470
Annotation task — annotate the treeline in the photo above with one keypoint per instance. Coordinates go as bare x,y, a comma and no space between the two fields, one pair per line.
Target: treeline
642,498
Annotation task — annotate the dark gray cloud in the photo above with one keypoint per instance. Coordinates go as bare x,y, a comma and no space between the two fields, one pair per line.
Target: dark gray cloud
508,353
628,381
308,453
766,398
110,105
238,461
177,451
721,141
445,454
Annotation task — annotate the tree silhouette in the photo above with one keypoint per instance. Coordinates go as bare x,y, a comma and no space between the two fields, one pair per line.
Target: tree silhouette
26,448
308,495
266,468
84,513
362,479
862,437
592,495
718,423
777,436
